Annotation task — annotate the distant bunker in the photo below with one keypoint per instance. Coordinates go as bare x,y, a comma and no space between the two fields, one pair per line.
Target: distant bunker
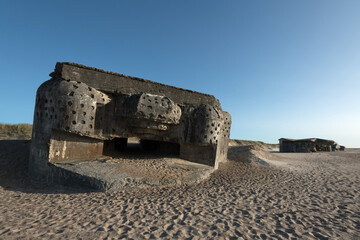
308,145
83,114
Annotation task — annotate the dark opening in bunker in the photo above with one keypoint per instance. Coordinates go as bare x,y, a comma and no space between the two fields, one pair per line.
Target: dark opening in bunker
139,148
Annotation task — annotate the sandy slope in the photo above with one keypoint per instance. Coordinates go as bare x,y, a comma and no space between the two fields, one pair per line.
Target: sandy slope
299,196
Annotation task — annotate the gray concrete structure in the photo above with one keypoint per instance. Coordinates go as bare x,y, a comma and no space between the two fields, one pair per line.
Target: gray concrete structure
305,145
84,113
337,147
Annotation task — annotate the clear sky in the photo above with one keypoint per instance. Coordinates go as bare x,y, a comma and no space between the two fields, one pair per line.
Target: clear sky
282,68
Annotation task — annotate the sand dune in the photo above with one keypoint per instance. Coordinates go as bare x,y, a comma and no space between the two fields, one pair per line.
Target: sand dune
293,196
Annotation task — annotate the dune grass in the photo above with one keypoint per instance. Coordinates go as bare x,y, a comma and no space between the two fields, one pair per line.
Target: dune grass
256,144
15,131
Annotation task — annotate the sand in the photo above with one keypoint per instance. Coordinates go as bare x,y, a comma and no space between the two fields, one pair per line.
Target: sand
293,196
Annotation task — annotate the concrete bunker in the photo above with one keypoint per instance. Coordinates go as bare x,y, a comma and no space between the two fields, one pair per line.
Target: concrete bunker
306,145
84,113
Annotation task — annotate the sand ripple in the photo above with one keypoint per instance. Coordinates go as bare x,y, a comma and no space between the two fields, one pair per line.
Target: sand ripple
317,198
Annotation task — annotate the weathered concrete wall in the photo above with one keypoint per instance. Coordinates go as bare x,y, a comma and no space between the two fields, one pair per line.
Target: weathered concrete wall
198,153
297,147
305,145
81,107
68,146
119,83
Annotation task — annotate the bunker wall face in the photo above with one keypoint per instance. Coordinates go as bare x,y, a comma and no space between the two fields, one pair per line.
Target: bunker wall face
304,146
80,108
118,83
67,146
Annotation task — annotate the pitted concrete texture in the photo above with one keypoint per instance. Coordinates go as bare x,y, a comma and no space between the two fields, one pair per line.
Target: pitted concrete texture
81,113
149,106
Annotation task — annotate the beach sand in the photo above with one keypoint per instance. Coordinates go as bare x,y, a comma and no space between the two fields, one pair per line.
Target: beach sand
291,196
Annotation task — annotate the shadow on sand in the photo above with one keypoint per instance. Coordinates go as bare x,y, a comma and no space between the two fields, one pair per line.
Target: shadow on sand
14,159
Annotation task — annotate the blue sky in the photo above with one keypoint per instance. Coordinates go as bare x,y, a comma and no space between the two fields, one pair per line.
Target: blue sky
281,68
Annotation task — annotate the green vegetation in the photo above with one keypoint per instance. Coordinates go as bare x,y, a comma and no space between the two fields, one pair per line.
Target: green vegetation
15,131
